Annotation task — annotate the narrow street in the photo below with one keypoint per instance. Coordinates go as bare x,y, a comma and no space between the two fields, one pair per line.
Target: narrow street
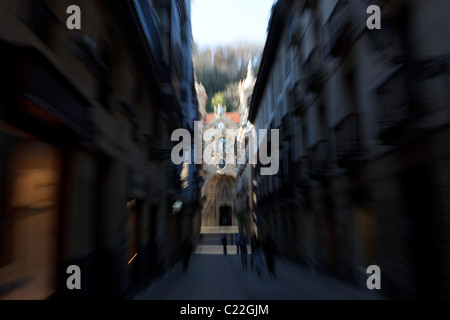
214,276
319,129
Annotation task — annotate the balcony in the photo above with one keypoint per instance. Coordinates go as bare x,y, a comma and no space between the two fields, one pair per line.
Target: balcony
315,80
315,75
396,104
339,28
299,98
42,93
319,159
149,21
347,139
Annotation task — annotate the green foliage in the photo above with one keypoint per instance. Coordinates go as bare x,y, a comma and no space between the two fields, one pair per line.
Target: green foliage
217,99
229,97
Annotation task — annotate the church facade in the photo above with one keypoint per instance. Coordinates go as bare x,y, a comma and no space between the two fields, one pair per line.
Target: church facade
224,139
219,191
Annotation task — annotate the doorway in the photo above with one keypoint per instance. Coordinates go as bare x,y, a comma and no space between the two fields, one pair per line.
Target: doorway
225,216
29,246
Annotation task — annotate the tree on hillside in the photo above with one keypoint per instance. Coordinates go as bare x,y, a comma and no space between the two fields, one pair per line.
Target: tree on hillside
217,99
229,97
221,69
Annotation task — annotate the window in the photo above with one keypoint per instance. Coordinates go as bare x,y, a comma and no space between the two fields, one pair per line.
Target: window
222,145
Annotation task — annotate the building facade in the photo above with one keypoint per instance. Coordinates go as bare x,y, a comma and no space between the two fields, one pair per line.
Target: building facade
219,170
363,120
86,177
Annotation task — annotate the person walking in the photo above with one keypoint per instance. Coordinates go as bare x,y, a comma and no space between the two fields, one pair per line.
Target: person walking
224,244
257,258
238,244
269,251
252,247
243,244
186,253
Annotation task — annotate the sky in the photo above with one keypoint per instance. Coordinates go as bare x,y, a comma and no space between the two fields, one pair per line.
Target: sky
223,22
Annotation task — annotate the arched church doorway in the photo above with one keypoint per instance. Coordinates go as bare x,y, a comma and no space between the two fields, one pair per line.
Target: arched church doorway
225,216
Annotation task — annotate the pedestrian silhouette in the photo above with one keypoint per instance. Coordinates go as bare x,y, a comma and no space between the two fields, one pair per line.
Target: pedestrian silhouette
224,244
252,247
186,251
238,244
269,251
257,258
243,244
